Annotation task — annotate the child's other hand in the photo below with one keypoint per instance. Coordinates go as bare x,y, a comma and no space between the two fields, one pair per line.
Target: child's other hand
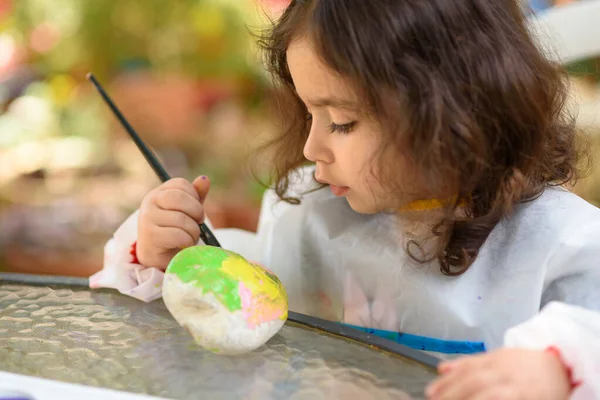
501,375
168,221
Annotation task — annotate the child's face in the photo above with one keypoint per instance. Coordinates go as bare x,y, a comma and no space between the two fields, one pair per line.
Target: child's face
344,143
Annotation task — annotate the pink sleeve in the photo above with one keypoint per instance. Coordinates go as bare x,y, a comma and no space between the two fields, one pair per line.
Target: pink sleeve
121,269
573,334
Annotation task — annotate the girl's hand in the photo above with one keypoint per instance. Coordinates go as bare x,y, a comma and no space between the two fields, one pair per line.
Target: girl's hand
501,375
168,221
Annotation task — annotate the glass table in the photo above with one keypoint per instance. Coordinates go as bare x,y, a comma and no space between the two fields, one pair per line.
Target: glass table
57,328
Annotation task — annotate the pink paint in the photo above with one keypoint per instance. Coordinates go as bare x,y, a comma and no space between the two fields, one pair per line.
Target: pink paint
256,309
246,298
263,267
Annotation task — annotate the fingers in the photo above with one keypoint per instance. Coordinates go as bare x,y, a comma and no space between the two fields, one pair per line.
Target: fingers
462,378
180,220
168,220
168,238
497,393
461,386
177,199
201,185
180,183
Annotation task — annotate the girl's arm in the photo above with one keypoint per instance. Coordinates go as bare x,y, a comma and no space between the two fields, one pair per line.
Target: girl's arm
553,356
568,326
571,333
556,353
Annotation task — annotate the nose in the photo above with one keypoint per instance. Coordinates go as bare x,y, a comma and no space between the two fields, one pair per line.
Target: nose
317,147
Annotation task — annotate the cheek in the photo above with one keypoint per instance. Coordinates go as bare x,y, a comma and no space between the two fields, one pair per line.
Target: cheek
365,159
376,165
366,177
389,177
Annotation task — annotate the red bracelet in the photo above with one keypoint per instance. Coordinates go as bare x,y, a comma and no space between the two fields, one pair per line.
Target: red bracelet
133,252
557,353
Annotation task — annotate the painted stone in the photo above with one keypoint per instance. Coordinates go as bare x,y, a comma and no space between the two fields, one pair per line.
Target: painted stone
229,305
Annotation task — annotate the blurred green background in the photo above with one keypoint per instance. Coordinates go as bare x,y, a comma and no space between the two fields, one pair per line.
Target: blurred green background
187,76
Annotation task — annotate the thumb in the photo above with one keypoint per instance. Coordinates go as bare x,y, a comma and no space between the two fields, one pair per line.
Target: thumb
202,186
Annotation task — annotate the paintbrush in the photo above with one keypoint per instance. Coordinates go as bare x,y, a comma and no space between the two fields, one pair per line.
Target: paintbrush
205,233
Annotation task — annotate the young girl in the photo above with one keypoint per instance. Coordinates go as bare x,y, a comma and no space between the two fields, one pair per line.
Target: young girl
433,203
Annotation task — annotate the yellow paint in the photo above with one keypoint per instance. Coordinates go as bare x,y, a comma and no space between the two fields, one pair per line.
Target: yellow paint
256,279
428,204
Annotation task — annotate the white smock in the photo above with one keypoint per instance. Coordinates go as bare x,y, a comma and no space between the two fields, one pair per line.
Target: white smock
353,268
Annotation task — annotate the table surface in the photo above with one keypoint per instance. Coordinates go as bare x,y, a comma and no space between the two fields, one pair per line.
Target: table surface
105,339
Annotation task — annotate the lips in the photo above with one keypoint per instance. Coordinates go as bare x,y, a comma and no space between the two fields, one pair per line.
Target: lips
335,189
339,190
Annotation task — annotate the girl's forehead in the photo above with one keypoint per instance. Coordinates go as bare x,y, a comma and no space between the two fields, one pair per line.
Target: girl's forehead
315,82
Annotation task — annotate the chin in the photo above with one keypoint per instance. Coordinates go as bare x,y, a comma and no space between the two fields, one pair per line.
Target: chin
362,207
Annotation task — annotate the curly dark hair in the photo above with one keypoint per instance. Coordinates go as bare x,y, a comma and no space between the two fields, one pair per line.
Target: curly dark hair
484,107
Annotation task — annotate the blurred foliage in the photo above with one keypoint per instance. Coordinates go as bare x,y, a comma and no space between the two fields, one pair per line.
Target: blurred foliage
199,38
199,51
589,69
185,74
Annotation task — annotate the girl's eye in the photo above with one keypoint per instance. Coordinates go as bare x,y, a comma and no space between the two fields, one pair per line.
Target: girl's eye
343,129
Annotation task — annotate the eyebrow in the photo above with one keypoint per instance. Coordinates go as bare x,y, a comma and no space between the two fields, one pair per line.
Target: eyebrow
334,102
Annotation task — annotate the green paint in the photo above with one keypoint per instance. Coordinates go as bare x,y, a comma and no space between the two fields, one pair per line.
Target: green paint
201,266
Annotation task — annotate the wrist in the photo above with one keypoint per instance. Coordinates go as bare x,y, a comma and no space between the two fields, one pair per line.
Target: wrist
567,369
